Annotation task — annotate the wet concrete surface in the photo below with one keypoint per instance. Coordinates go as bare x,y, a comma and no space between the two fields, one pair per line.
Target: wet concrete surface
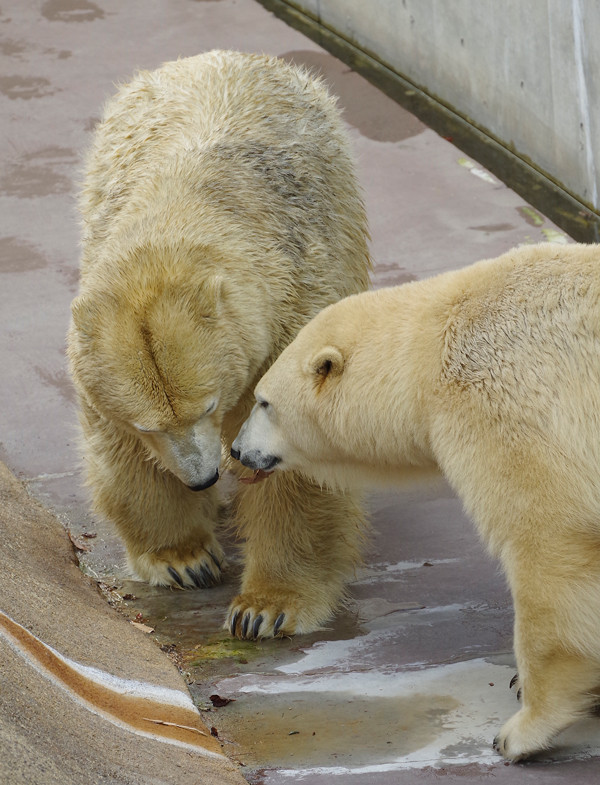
409,682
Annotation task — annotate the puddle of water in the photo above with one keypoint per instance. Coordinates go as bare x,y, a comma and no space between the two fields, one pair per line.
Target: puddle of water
329,728
191,622
439,716
390,274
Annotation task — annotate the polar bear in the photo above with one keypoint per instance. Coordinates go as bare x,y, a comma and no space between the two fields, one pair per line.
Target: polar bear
492,374
221,211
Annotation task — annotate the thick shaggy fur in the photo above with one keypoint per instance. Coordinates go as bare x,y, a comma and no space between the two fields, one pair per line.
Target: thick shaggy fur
492,374
220,213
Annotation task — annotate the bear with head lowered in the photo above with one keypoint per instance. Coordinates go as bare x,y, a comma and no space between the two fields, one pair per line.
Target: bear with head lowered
491,374
220,213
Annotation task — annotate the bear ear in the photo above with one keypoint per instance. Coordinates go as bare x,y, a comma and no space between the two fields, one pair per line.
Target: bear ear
328,361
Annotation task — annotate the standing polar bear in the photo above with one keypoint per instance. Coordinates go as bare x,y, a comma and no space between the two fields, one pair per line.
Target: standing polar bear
492,374
220,213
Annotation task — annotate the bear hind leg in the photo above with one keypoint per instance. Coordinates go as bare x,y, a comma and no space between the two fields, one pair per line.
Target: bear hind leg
555,693
557,647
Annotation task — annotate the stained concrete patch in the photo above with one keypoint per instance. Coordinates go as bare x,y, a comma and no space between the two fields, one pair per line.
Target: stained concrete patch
12,48
25,87
488,228
59,380
40,173
390,274
17,256
71,11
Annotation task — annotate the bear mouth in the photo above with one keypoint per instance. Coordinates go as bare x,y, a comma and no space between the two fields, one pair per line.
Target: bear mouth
257,476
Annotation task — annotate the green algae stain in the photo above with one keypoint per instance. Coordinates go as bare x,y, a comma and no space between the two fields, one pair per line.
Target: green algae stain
477,171
224,648
554,236
530,215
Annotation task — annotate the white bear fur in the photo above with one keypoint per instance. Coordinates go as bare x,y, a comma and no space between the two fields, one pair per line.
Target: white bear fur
220,213
492,374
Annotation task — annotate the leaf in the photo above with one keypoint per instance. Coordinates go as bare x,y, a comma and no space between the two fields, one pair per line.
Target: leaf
142,627
218,702
78,543
175,725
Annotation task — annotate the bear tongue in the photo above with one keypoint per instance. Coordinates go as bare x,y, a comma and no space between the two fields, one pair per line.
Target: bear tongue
258,475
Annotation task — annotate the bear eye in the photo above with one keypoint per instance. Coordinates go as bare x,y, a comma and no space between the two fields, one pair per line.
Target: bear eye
143,429
211,407
263,404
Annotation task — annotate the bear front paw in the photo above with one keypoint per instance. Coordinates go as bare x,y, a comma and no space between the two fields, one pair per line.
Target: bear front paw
254,616
252,620
199,569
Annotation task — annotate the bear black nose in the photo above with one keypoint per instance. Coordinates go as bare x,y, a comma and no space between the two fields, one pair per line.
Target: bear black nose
204,485
235,454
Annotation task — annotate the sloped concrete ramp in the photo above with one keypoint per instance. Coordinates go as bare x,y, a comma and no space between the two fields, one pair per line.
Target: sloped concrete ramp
84,696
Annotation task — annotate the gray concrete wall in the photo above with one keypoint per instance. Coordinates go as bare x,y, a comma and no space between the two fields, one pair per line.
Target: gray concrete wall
527,71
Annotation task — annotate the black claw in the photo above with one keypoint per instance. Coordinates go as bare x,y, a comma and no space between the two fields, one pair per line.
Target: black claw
234,622
496,744
519,693
207,576
175,575
513,681
278,623
214,558
245,624
194,577
256,625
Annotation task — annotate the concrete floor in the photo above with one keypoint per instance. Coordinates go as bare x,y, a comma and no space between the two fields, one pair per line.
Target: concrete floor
410,682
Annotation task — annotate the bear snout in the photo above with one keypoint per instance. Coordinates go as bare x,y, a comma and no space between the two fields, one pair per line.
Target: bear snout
255,459
204,485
